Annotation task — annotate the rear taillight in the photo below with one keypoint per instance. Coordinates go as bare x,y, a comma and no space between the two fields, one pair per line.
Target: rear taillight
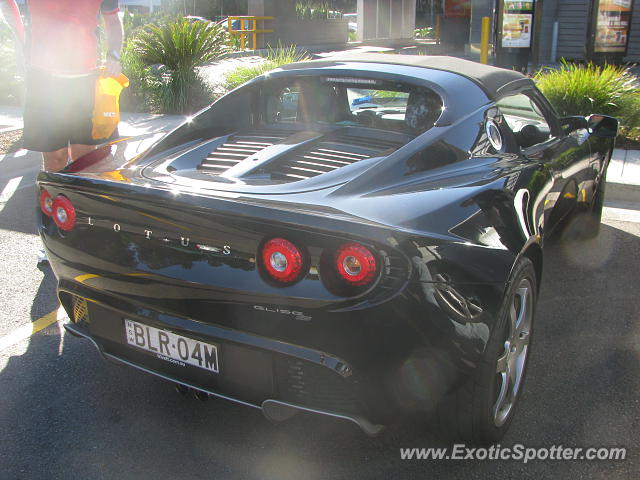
64,213
282,260
356,264
46,203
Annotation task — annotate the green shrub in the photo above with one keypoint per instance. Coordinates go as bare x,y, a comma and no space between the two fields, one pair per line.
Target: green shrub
274,59
141,96
174,51
578,89
133,22
310,9
427,32
234,43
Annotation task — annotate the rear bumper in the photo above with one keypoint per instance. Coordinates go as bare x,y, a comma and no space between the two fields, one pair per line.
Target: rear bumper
369,366
259,372
273,409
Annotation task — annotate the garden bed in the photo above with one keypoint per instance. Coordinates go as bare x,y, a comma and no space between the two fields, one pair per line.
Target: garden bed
10,141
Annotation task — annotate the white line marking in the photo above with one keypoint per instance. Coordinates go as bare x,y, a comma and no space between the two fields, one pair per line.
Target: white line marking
25,331
8,191
621,214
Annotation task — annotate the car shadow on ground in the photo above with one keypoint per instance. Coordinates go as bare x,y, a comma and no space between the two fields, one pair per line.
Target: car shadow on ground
66,413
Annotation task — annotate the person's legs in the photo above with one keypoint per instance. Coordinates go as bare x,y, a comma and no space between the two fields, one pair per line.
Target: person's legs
76,150
56,160
58,119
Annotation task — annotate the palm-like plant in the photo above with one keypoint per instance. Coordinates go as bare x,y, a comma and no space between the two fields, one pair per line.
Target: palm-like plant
180,47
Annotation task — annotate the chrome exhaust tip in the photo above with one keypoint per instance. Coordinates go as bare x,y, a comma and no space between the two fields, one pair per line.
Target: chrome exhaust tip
200,395
182,389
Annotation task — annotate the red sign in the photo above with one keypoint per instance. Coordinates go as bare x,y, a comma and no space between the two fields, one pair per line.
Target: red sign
457,8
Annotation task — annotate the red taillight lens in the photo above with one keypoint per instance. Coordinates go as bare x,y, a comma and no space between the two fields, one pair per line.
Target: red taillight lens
282,260
356,264
64,213
46,203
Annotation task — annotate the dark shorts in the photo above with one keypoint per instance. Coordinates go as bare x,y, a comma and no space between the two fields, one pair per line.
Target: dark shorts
58,111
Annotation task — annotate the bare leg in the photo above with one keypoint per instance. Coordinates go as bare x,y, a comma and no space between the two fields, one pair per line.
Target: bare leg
76,151
55,161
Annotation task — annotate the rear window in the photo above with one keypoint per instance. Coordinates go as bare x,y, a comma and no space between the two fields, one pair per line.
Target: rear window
352,102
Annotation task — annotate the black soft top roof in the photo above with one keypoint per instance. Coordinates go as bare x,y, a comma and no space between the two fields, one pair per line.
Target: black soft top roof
489,78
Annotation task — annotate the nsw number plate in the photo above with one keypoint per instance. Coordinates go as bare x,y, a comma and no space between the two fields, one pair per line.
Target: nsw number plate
171,347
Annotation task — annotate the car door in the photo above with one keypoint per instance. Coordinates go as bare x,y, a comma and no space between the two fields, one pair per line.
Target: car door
562,156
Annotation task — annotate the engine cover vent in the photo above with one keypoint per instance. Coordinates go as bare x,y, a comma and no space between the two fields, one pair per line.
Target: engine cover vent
238,148
326,156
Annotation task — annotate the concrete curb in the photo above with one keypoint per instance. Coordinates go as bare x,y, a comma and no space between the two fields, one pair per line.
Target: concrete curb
10,129
336,47
261,52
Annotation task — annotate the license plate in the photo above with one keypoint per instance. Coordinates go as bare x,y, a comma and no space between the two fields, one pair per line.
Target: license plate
171,347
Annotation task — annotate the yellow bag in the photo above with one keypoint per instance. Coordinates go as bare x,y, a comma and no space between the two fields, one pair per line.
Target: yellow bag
106,109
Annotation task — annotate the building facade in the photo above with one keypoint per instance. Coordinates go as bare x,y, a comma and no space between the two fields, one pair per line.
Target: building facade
583,30
589,29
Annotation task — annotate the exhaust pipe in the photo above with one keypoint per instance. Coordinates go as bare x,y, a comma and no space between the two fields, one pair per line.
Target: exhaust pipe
200,395
197,394
182,389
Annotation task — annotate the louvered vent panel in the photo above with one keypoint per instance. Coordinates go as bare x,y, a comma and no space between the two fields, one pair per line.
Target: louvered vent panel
370,143
237,149
328,156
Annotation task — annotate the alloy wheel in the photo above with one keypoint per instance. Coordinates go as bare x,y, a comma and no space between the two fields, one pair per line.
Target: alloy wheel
511,362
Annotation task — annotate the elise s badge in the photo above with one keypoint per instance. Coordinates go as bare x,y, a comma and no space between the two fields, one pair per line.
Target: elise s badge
282,311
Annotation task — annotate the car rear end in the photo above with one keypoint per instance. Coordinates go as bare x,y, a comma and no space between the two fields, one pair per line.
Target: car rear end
234,297
246,260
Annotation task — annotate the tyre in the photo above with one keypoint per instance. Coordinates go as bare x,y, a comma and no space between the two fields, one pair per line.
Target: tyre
481,410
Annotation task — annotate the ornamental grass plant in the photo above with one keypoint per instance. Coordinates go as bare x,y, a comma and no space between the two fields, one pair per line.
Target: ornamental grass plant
310,9
274,59
583,89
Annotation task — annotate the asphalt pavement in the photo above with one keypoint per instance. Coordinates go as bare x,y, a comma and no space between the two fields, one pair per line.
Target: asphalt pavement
65,413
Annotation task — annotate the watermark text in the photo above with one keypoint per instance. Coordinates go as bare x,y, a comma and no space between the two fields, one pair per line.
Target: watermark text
517,452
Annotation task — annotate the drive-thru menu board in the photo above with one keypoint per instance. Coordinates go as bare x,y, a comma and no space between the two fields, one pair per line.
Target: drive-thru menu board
517,24
612,25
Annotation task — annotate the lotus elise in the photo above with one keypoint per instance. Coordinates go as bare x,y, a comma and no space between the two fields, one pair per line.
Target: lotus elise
360,236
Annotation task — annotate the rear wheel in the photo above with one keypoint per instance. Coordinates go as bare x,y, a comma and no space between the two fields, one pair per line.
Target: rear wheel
481,410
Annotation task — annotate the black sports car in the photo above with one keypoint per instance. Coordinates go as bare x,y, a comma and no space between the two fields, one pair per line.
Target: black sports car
360,237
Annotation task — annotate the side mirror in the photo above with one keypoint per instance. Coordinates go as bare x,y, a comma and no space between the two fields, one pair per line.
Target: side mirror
603,126
570,124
